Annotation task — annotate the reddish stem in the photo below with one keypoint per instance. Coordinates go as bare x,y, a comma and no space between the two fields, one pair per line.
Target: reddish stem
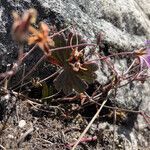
87,139
145,117
72,46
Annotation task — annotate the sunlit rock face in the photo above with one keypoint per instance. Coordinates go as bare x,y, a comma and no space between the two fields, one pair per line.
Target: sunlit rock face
124,23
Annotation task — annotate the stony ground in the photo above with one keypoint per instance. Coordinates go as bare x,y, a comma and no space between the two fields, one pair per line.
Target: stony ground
26,124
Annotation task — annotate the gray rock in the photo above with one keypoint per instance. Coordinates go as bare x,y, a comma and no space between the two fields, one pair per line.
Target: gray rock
124,23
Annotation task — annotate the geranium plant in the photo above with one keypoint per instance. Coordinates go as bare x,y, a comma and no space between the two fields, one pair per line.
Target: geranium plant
76,71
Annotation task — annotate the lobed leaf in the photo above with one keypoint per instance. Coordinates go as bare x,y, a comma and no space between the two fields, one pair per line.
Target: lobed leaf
67,80
88,75
62,55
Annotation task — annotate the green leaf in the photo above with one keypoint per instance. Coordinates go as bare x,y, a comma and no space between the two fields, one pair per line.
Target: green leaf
45,91
61,55
89,74
67,80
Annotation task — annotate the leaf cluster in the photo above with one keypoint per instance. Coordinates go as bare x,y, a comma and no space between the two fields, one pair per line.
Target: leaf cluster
76,72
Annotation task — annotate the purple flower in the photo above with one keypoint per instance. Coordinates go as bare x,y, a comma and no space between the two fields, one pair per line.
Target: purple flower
144,55
147,43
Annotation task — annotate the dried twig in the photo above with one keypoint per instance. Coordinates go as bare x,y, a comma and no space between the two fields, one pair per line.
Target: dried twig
2,147
40,60
45,79
25,135
89,125
54,74
49,97
114,128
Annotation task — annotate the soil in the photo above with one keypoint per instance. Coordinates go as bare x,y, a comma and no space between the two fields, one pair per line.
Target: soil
27,123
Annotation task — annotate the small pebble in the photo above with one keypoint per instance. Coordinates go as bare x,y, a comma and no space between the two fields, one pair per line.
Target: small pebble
10,136
22,123
6,97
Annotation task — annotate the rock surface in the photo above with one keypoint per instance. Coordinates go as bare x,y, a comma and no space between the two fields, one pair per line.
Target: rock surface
125,24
